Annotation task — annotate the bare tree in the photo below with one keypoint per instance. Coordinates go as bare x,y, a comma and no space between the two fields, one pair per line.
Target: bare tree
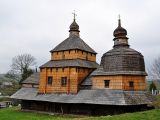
155,68
22,64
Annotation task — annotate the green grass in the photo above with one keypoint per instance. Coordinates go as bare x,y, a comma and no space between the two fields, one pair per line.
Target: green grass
15,114
147,115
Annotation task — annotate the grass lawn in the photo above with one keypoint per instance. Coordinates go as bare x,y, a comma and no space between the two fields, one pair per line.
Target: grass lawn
147,115
15,114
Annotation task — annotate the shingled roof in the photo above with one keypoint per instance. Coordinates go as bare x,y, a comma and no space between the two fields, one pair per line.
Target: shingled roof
71,43
123,60
100,71
70,63
98,96
33,79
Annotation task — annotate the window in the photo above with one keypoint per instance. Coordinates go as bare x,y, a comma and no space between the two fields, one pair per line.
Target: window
50,69
56,69
50,80
62,69
131,84
106,83
63,81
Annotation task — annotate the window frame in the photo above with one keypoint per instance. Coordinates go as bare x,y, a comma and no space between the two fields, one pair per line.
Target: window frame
106,83
131,84
63,81
50,80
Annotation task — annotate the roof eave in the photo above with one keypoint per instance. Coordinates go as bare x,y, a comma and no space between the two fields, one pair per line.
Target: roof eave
51,51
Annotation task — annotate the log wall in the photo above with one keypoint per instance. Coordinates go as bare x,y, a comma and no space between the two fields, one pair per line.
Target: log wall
74,77
119,82
73,54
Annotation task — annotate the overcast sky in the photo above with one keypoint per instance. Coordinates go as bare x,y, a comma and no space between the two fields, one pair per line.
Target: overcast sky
37,26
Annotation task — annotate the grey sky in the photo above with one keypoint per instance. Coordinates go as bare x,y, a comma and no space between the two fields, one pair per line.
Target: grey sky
37,26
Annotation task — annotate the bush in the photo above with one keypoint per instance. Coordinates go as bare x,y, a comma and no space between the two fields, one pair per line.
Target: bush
9,90
156,103
152,86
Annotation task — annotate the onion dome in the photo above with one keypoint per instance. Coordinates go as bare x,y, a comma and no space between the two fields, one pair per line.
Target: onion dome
74,26
119,31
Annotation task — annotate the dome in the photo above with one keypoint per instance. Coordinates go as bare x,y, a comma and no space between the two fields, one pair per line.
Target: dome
123,59
119,31
74,26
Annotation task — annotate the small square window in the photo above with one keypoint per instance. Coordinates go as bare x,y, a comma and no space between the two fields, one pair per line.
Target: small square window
50,80
131,84
63,81
106,83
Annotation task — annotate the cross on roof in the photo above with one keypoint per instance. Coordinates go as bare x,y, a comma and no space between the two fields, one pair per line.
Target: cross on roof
119,16
119,20
74,14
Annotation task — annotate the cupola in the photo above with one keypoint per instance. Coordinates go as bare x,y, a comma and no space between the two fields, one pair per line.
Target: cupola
120,34
74,27
119,31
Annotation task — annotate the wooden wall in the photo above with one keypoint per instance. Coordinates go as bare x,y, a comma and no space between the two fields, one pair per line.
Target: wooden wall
74,77
73,54
119,82
139,82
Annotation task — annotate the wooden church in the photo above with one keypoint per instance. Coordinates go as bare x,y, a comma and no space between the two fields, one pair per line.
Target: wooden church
71,82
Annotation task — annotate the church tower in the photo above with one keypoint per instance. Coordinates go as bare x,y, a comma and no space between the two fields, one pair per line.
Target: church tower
71,61
121,68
